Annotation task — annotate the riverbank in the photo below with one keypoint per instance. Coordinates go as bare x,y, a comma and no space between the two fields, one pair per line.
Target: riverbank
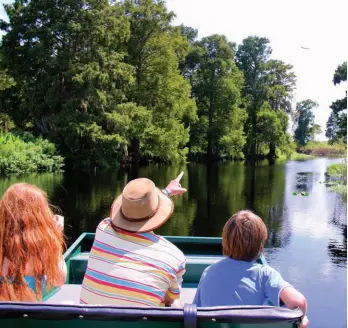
323,148
338,175
295,156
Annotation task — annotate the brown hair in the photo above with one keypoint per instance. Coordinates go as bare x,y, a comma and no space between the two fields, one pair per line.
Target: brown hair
244,236
28,233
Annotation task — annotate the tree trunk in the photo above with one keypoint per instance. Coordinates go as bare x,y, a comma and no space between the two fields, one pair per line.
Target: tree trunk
210,134
272,151
253,136
134,151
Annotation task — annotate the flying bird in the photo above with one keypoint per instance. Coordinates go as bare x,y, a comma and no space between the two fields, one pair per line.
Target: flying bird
304,48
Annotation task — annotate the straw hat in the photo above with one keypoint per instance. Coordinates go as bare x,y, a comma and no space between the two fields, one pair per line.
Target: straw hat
141,207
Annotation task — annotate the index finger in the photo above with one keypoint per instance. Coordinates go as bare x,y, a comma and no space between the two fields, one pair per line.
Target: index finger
178,178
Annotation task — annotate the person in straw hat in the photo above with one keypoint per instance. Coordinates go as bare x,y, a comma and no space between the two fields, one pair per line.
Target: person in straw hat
129,265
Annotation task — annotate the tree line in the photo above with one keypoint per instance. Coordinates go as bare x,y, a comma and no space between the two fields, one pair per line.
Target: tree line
116,81
336,126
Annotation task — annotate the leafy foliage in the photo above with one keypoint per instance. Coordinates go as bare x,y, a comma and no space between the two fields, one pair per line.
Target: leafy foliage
115,81
25,154
336,126
80,66
269,85
216,84
305,128
155,49
339,171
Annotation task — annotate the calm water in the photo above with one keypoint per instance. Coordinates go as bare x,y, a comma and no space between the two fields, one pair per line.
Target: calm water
307,235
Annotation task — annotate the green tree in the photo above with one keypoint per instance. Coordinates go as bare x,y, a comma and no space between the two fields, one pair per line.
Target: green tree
332,127
155,49
304,121
280,81
315,130
189,32
6,81
216,84
271,126
269,85
336,126
67,59
252,58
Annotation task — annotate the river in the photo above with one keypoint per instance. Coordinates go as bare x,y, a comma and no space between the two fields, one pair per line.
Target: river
307,234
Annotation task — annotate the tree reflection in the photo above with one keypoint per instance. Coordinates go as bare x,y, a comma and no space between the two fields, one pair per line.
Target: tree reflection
337,249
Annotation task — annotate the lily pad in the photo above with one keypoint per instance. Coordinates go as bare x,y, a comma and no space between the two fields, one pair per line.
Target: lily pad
304,193
295,193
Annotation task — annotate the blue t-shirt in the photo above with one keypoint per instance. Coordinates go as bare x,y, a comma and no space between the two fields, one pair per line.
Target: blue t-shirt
231,282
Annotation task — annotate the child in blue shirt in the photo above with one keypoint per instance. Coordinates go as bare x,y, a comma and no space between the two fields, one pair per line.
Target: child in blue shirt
239,279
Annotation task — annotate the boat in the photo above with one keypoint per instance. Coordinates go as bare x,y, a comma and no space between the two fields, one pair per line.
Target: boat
61,308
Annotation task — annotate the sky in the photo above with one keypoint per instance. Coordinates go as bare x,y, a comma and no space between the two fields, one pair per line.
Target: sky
288,24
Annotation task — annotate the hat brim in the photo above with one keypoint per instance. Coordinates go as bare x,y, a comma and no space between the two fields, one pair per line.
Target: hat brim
164,212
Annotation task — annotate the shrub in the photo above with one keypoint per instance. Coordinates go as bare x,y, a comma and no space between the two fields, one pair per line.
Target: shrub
338,171
26,153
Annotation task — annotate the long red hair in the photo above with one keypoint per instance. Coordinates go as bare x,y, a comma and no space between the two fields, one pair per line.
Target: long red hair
28,234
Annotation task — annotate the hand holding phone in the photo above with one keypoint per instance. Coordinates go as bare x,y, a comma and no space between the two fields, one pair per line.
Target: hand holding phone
60,221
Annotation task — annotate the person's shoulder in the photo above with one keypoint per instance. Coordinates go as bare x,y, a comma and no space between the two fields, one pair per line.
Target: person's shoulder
268,271
214,269
217,266
172,249
104,229
104,224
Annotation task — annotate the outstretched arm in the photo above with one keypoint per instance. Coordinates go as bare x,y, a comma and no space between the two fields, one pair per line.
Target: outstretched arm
293,299
174,187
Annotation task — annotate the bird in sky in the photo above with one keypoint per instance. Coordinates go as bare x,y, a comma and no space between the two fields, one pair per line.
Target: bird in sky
305,48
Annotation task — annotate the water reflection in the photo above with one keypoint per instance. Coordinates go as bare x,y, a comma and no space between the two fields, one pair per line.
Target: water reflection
337,247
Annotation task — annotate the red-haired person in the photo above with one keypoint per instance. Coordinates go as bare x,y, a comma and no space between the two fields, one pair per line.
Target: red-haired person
239,279
31,245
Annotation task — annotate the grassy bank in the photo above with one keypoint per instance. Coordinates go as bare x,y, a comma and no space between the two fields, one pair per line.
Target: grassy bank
24,153
338,175
300,157
323,148
294,157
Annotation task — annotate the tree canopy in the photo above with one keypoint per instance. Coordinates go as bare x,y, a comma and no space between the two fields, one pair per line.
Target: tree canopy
305,128
336,126
117,81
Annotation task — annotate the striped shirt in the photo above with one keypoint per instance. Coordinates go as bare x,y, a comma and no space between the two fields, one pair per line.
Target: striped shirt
131,269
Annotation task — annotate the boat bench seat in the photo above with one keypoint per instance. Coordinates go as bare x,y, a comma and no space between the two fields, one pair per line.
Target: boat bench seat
195,265
70,294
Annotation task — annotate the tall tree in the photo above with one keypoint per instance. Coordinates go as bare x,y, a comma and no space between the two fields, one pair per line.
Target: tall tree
271,126
6,81
304,121
67,60
155,49
189,32
280,81
252,57
269,85
332,127
216,85
336,126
